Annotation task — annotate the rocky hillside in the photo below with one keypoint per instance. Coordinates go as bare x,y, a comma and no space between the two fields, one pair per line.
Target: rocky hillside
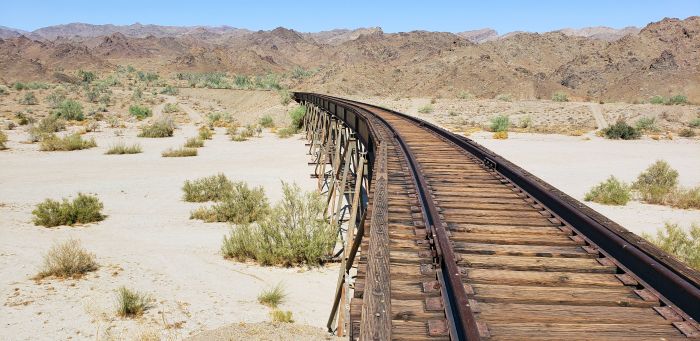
599,63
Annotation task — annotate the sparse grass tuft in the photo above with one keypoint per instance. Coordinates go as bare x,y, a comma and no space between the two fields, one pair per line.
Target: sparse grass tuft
426,109
294,233
647,124
140,112
121,148
621,130
280,316
180,152
211,188
194,142
171,108
83,209
695,123
163,127
67,143
560,97
266,121
677,99
29,99
610,192
657,100
205,133
68,259
170,90
286,132
243,205
131,303
685,198
3,140
272,297
465,95
656,182
500,123
504,97
683,245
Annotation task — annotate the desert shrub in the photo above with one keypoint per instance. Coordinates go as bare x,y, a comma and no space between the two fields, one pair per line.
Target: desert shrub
610,192
300,73
656,182
46,127
85,208
646,124
426,109
170,108
286,132
9,125
92,126
683,245
137,95
504,97
297,115
268,81
685,198
525,122
686,132
677,99
121,148
285,96
163,127
500,135
87,76
272,297
279,316
560,97
29,99
70,110
194,142
220,119
657,100
30,86
242,205
70,142
500,123
621,130
3,140
242,81
3,90
23,119
131,303
465,95
211,188
140,112
266,121
294,233
205,133
695,123
180,152
68,259
170,90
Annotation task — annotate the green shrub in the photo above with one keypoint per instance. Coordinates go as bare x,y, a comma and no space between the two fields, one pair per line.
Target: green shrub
163,127
657,100
266,121
46,127
656,182
29,99
70,110
685,198
205,133
87,76
131,303
68,259
52,143
426,109
286,132
194,142
221,119
30,86
610,192
170,108
683,245
242,205
83,209
560,97
677,99
56,98
242,82
180,152
285,97
646,124
300,73
293,233
140,112
279,316
695,123
686,132
170,90
621,130
211,188
500,123
297,115
3,140
121,148
272,297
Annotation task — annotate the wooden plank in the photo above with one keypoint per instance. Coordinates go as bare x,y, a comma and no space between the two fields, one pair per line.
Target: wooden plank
541,278
376,310
412,331
503,229
534,263
514,239
508,312
522,250
413,310
575,331
602,296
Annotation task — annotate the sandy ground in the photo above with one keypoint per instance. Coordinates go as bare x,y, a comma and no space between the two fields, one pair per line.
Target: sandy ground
574,165
147,241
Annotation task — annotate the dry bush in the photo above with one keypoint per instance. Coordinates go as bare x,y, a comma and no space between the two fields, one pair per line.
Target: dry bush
610,192
68,259
171,108
293,233
163,127
280,316
504,97
46,126
286,132
426,109
266,121
83,209
205,133
500,135
272,297
560,97
685,198
211,188
686,132
29,99
243,205
180,152
194,142
656,182
3,140
66,143
683,245
121,148
131,303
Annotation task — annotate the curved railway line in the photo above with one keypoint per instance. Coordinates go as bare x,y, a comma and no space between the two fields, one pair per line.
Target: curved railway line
444,239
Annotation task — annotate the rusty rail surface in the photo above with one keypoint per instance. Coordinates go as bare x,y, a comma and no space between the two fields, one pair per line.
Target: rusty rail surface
601,246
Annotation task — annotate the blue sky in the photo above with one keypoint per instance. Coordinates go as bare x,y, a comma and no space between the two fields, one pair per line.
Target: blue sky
308,16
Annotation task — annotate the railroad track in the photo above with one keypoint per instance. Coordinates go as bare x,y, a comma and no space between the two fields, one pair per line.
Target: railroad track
457,243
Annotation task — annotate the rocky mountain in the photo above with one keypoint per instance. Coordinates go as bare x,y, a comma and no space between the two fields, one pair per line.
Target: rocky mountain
136,30
598,63
8,32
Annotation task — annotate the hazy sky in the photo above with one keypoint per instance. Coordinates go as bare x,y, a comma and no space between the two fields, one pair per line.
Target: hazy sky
310,16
